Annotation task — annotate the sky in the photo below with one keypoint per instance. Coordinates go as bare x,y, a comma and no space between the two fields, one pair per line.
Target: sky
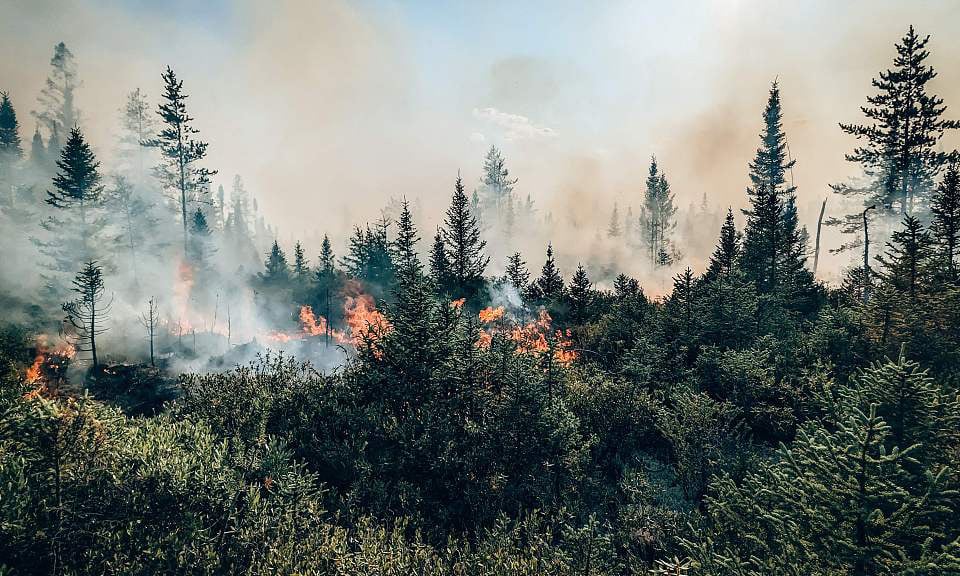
329,108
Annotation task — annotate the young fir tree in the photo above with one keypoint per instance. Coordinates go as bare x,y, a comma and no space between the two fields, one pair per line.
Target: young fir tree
301,268
464,248
57,110
727,253
179,172
945,227
773,254
549,286
905,266
75,225
276,270
517,274
579,296
88,312
439,264
840,501
899,154
405,246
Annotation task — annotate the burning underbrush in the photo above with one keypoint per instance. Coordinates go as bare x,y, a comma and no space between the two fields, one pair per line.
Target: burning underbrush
536,336
49,368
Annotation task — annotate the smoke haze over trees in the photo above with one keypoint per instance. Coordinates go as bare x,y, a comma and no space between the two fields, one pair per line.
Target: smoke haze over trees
274,304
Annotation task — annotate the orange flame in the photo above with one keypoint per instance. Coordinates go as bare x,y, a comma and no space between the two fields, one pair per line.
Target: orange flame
458,303
530,338
49,357
366,323
488,314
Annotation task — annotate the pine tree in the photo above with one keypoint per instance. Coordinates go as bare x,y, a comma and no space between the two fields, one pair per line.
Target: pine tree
549,286
57,110
769,236
727,253
87,313
613,230
276,270
77,197
405,246
517,273
945,227
899,154
464,248
439,264
580,296
179,172
905,265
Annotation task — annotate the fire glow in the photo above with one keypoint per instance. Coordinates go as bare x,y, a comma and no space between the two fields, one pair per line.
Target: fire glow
534,337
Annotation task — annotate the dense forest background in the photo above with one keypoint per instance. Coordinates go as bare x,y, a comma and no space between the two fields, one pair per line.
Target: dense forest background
182,392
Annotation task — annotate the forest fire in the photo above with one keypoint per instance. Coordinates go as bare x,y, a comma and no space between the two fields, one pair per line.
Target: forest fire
49,363
534,337
363,320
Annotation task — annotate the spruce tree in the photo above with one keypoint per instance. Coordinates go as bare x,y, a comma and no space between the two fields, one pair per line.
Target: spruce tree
138,126
276,270
657,217
179,172
38,152
77,196
613,230
905,265
945,227
200,249
517,274
327,260
57,109
10,150
300,267
133,216
905,124
88,312
580,296
549,286
767,237
497,183
727,253
405,246
439,265
464,248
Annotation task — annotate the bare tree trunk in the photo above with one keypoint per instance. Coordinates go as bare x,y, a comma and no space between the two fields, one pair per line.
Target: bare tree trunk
866,254
816,253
